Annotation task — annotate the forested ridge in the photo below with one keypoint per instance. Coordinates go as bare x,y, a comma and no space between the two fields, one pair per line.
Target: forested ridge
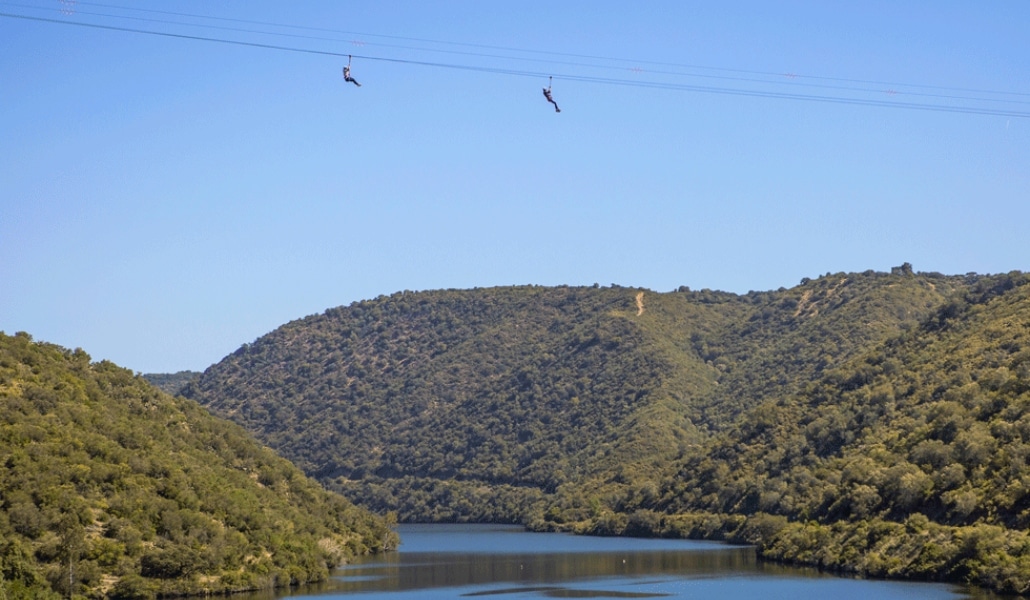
112,488
813,421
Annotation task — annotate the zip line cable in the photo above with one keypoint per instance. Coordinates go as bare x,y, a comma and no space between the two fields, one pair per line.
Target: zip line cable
534,51
520,50
779,76
538,60
277,47
981,110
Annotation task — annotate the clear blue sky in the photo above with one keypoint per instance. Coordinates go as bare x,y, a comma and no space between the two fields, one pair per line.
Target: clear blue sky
164,200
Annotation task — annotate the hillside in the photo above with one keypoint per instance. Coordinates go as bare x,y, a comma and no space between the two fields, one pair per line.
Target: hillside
111,488
490,404
908,460
507,391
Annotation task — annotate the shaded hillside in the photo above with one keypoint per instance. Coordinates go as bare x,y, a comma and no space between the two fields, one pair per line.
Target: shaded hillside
512,387
499,403
111,488
909,460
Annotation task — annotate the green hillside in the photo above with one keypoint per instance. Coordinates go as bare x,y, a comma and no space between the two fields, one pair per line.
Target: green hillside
482,404
111,488
909,460
503,393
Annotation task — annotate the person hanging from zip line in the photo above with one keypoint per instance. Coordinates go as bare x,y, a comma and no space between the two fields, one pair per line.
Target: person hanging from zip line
547,94
346,73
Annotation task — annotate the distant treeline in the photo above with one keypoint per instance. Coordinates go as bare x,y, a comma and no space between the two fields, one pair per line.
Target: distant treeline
171,383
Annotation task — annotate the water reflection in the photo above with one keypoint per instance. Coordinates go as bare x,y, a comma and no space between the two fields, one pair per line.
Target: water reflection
468,561
561,592
426,570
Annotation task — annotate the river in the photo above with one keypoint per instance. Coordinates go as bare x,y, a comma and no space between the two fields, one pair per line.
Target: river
508,563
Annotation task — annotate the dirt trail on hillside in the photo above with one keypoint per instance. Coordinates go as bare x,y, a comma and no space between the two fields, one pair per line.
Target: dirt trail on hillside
640,303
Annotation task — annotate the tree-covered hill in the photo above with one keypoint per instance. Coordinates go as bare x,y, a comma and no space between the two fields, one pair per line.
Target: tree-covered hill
112,488
910,459
490,404
510,392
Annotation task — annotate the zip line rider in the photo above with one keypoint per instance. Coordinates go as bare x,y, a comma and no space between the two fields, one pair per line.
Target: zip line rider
547,94
346,73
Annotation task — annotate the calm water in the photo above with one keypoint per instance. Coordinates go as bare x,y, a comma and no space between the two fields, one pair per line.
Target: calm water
506,563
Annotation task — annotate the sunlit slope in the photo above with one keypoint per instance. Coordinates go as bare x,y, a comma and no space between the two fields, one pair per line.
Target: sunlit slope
910,459
486,403
791,336
111,488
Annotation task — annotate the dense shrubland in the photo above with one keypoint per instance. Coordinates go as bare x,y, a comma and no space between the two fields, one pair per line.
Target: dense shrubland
910,459
111,488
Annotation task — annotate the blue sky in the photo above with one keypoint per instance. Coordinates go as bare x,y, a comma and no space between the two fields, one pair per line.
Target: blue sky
164,200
